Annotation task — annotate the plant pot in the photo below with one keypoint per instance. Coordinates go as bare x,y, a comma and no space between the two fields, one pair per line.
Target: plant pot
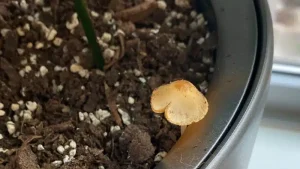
224,139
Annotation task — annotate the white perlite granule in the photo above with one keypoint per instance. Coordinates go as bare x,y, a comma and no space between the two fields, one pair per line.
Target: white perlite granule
57,163
102,114
75,68
74,22
15,107
73,144
125,116
31,106
114,129
43,70
11,128
40,147
131,100
95,121
159,156
2,113
162,4
60,149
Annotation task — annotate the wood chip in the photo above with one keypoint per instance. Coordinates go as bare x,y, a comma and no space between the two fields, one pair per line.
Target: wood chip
138,12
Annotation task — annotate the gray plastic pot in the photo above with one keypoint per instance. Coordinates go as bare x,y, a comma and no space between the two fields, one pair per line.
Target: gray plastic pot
224,138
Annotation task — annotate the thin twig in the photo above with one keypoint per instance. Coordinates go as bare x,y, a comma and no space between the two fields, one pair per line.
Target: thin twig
138,12
112,105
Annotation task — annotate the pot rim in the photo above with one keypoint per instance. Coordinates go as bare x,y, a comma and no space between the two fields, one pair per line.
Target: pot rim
245,33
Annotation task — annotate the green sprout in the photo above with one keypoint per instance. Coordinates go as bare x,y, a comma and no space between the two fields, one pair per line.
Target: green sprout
81,9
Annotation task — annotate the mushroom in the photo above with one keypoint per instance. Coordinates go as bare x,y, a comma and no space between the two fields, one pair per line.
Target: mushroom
181,101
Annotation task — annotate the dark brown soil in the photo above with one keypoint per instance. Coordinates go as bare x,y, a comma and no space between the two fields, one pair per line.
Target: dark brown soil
58,118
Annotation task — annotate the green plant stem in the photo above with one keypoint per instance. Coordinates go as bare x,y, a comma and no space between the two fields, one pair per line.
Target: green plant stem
88,27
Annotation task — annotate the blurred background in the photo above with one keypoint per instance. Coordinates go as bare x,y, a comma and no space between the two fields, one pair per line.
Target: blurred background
277,144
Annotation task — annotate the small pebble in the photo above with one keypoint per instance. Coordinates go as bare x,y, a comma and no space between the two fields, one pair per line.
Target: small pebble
74,22
75,68
21,102
101,167
95,121
29,45
58,68
51,34
1,105
94,14
203,86
40,147
26,27
200,41
193,14
159,156
57,41
193,25
137,72
207,35
57,163
24,5
1,136
102,114
4,32
60,88
39,2
2,113
11,128
33,59
43,70
27,115
67,147
15,107
117,84
107,17
84,73
24,61
162,4
105,134
60,149
183,3
143,80
114,129
28,69
106,37
77,59
67,159
39,45
20,31
46,9
20,51
72,153
125,116
73,144
131,100
173,14
16,118
108,53
31,106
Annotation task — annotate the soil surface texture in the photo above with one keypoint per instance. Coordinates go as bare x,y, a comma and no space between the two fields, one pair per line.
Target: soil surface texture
58,111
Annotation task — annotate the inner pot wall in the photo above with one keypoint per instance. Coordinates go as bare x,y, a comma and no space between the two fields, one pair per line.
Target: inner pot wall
237,91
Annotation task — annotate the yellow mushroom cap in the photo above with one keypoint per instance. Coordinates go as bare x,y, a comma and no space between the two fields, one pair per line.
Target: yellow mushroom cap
181,101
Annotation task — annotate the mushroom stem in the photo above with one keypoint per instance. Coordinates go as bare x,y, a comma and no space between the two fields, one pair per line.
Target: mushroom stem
182,129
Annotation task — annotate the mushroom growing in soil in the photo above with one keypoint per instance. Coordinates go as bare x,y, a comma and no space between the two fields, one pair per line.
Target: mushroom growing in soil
181,102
